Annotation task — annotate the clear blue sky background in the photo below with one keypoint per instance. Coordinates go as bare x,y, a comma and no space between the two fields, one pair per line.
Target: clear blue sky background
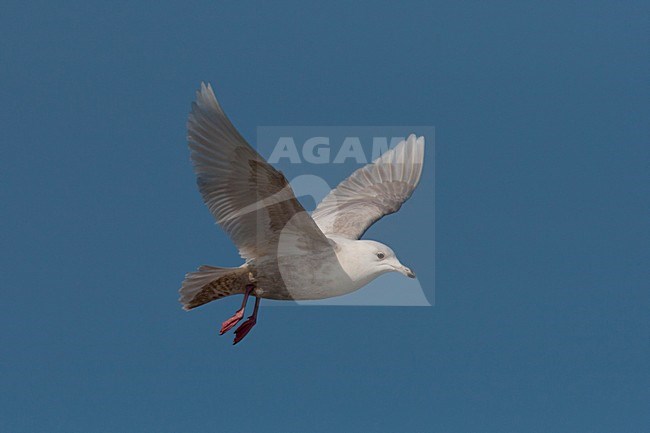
541,318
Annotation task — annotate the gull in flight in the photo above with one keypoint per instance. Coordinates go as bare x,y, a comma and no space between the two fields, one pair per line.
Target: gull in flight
289,255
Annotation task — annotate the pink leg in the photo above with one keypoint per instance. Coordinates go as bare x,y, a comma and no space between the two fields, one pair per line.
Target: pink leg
230,323
245,327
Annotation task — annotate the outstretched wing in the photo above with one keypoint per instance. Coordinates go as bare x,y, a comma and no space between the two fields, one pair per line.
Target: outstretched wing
250,200
372,191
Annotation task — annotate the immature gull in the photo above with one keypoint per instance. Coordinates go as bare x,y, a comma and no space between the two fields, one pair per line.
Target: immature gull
289,254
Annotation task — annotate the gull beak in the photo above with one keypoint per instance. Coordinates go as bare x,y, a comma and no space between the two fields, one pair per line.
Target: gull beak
406,271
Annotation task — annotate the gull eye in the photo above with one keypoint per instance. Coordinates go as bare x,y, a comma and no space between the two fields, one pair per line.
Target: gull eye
380,255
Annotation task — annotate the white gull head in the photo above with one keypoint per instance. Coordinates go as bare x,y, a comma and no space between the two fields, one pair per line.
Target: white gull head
365,260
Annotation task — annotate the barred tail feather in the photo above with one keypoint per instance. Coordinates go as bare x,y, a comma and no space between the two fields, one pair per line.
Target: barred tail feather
209,283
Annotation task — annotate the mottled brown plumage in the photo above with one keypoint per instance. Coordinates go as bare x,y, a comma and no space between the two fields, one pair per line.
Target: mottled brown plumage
289,254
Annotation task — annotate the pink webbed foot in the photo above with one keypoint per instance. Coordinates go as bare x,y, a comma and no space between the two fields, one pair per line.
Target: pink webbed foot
230,323
244,329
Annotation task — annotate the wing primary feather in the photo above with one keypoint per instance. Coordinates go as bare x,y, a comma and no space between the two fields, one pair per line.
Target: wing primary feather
373,191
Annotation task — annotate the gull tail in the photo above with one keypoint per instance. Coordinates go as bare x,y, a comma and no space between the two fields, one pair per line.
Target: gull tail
210,283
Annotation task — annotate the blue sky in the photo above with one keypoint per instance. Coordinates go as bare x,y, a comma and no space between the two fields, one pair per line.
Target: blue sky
541,213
